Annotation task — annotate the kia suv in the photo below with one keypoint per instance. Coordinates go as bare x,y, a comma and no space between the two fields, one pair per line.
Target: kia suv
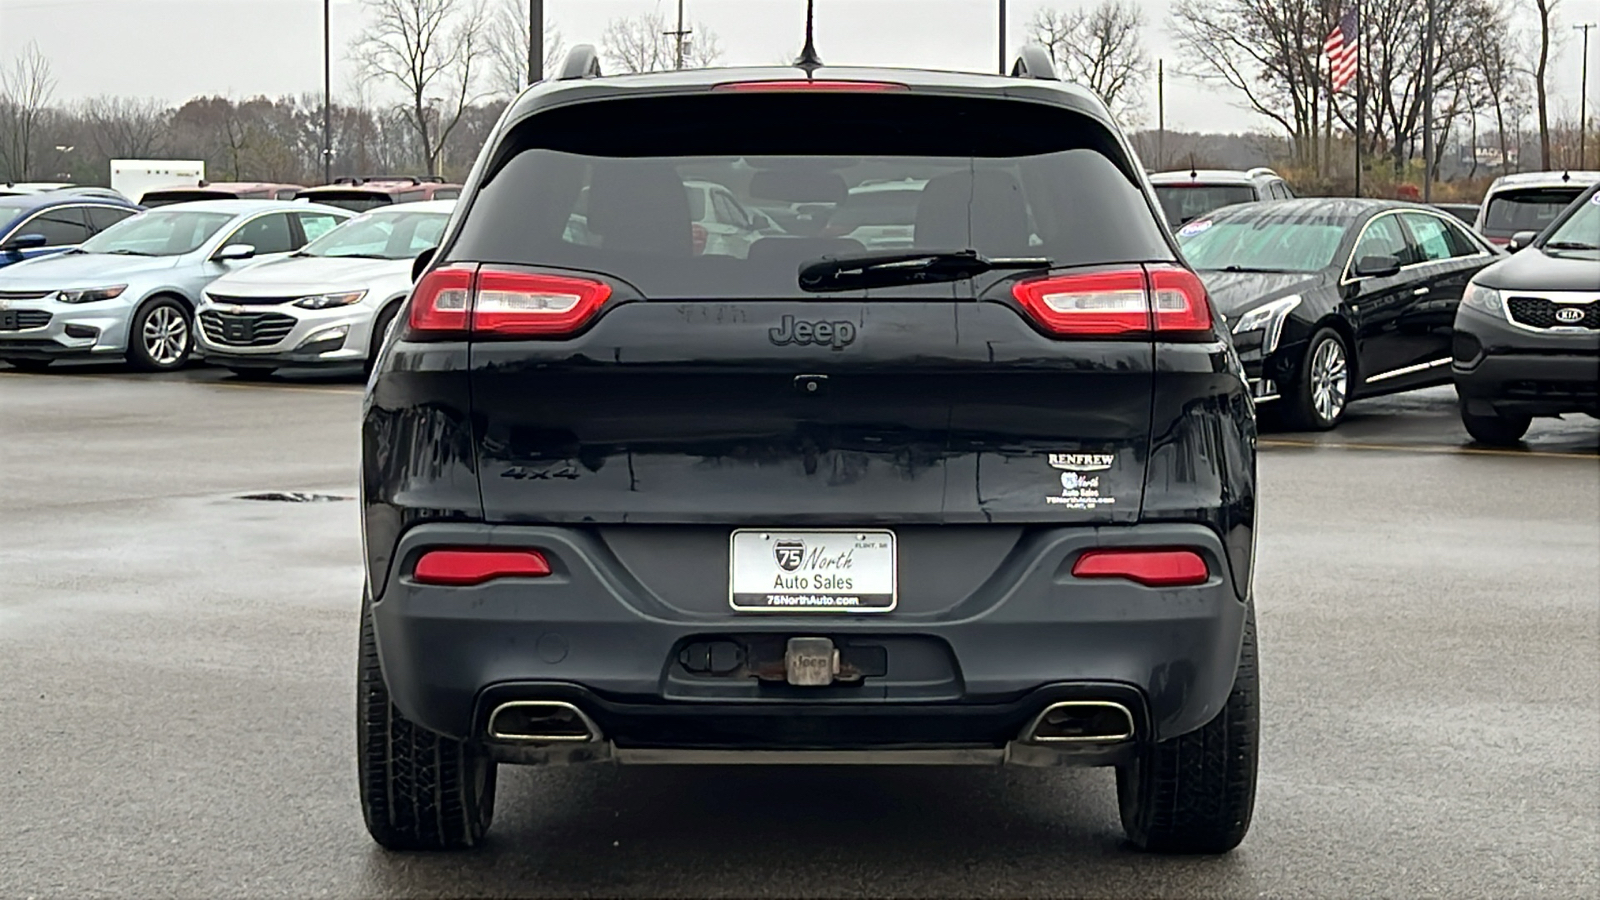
986,499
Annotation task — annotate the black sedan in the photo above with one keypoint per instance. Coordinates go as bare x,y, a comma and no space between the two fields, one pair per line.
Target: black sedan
1330,300
1527,339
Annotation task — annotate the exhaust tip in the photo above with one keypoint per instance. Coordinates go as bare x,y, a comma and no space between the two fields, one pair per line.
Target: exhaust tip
541,722
1081,720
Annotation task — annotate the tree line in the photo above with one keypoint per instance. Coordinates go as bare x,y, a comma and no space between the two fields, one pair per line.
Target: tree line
434,75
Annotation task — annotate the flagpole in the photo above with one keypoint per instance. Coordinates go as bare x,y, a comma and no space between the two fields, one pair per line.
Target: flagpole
1361,96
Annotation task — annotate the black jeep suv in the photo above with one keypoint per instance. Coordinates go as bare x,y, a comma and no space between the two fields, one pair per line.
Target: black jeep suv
631,495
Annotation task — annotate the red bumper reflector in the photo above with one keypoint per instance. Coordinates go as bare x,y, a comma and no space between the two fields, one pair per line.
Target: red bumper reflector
465,567
1155,568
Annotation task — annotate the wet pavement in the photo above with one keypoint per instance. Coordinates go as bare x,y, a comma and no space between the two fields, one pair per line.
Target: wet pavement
177,686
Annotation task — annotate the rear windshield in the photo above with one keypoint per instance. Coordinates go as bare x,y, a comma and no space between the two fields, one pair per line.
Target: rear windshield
1183,202
1274,243
355,201
888,172
1531,210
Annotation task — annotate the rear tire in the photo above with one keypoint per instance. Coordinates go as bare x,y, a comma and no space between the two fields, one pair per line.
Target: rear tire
419,790
1499,429
380,329
1322,391
160,336
28,365
1195,793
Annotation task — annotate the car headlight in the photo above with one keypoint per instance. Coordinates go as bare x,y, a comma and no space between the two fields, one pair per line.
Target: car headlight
326,301
1483,299
90,295
1268,318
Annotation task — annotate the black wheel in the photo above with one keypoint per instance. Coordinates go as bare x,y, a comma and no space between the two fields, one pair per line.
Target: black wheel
419,790
1317,401
251,374
1195,793
160,335
380,328
1498,429
28,365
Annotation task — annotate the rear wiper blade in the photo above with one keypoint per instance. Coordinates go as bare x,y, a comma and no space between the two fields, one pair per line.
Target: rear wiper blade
853,271
1255,269
123,252
1570,245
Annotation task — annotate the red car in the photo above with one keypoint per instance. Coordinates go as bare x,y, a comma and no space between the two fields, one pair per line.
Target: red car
362,194
221,190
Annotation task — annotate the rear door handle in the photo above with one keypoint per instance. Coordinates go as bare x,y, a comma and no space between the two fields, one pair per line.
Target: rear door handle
1419,292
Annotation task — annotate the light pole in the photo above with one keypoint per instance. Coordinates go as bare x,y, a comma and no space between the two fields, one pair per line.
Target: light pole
1583,96
535,41
327,92
1002,37
1427,105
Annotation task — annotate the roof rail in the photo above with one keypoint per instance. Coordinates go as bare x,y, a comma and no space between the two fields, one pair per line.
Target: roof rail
582,61
1261,170
1033,61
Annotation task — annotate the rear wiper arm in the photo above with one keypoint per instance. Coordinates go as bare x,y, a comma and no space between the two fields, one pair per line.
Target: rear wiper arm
1569,245
853,271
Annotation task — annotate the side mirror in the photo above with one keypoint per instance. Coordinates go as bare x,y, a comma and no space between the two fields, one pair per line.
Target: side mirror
235,252
420,264
1377,266
25,242
1521,239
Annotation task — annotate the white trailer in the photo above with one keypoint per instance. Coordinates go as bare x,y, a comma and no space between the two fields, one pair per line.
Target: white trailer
132,177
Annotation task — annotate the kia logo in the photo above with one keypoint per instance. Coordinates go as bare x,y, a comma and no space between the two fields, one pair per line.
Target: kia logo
1569,316
835,334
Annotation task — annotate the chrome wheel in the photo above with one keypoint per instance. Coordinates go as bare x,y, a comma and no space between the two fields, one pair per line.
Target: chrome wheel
165,335
1330,380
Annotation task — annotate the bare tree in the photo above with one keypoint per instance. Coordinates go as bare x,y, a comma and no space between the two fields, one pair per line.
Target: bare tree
642,44
507,39
433,51
1502,81
127,127
1546,10
26,89
1099,48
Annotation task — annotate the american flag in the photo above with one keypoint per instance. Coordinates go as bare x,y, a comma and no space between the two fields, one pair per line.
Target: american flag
1343,51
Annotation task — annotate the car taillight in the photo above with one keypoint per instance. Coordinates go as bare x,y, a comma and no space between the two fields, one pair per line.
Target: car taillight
467,567
531,303
1500,241
1165,299
490,301
1153,568
698,235
799,84
440,300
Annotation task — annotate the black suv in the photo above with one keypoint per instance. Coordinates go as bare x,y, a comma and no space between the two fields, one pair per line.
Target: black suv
987,500
1527,334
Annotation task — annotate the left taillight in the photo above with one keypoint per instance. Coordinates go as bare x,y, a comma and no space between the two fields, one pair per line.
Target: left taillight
1167,300
464,567
493,302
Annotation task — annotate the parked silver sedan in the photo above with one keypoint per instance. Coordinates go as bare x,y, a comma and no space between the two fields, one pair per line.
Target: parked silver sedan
130,292
325,305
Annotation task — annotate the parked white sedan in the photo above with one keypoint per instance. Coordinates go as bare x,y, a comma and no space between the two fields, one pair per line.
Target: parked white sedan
328,304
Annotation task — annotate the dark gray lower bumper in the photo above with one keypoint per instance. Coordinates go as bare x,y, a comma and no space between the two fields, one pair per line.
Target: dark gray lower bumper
592,634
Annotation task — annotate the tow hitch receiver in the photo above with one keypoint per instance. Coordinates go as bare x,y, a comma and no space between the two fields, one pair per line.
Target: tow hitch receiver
811,661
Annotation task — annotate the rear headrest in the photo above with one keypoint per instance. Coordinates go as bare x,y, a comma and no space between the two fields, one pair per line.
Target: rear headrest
983,210
638,207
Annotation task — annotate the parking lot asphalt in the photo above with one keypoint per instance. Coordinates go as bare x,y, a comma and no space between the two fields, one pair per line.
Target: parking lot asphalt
177,686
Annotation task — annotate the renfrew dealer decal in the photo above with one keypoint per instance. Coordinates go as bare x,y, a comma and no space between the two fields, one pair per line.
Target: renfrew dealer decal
791,331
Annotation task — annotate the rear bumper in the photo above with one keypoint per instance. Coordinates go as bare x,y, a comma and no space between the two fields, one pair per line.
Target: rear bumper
971,675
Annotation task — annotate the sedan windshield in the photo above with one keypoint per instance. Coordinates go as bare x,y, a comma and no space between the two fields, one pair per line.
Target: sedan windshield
1580,233
393,233
158,233
1262,243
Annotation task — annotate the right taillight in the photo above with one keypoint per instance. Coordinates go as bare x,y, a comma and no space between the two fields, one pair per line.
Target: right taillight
1163,299
1149,567
494,302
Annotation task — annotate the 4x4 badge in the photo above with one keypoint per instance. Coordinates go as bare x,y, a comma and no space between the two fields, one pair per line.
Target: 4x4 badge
789,331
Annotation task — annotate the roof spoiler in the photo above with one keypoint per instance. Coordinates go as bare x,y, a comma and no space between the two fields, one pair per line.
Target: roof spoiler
1033,61
582,61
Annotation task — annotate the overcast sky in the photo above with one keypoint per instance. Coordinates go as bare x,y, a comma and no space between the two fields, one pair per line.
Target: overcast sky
176,49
